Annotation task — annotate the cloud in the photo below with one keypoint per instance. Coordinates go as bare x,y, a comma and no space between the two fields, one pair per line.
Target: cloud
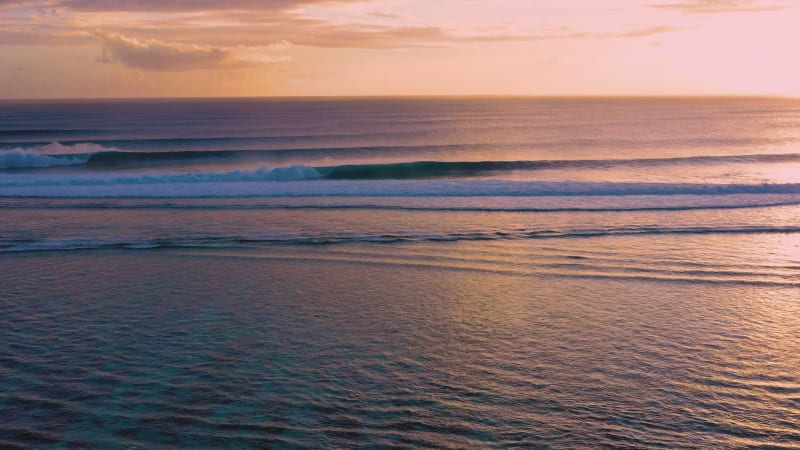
154,55
386,14
372,36
198,34
17,36
643,32
566,34
168,5
282,44
721,6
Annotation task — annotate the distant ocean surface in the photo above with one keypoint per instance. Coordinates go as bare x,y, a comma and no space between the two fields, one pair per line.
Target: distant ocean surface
434,272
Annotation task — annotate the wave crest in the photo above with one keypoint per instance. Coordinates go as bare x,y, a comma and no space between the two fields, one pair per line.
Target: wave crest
98,156
290,173
50,155
21,159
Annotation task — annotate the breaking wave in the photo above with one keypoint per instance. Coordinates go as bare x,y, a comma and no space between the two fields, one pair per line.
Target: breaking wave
418,169
304,181
408,179
435,169
99,157
50,155
21,159
291,173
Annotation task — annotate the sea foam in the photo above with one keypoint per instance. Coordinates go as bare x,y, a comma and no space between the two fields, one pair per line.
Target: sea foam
21,159
50,155
305,181
290,173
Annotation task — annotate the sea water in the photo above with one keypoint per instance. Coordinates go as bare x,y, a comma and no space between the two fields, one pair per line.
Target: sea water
400,272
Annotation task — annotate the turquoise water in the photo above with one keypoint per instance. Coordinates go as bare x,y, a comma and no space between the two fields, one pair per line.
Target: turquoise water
446,273
210,349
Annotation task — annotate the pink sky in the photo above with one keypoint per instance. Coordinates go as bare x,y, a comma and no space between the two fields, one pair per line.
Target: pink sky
111,48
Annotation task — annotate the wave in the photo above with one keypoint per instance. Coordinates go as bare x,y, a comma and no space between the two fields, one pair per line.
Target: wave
290,173
100,157
331,238
435,169
487,205
20,159
305,181
50,155
421,169
384,139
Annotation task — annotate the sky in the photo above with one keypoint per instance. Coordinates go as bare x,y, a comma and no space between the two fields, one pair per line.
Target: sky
208,48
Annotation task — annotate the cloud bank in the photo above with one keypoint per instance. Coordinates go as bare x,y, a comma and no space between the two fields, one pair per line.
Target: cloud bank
160,56
188,34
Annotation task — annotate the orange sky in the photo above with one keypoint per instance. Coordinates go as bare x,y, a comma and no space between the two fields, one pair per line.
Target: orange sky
152,48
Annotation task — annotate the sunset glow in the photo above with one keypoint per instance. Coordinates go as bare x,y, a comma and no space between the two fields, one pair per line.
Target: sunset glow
399,224
104,48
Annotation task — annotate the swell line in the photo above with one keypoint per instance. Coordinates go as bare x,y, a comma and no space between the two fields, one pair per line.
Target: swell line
100,157
433,169
377,207
418,169
475,266
301,239
304,181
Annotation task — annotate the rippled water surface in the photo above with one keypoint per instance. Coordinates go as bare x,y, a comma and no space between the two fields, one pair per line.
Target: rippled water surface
218,348
447,273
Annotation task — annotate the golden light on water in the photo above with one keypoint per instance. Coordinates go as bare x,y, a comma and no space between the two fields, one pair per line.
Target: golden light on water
781,173
441,224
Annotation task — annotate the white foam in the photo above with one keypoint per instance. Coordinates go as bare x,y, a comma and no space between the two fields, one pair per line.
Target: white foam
21,159
57,148
198,179
50,155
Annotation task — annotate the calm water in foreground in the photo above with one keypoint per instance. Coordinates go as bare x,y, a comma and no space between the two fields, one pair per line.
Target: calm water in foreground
427,272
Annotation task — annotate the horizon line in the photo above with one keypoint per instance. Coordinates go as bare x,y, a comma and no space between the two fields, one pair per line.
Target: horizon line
420,96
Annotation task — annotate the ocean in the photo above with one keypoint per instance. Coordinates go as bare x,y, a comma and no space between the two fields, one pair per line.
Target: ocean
400,272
